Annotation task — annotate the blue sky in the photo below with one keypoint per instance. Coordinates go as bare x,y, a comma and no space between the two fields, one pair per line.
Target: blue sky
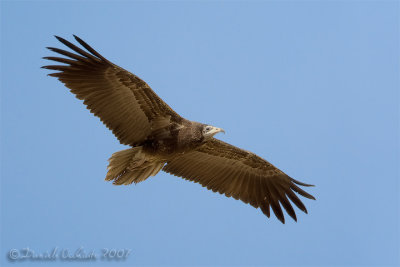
311,86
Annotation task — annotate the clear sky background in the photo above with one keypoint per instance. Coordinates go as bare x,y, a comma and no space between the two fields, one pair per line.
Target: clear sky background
311,86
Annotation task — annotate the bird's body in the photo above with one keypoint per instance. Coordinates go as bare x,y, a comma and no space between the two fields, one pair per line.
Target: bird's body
161,139
175,138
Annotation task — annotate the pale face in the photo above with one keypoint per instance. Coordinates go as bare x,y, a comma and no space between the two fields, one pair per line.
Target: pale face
209,131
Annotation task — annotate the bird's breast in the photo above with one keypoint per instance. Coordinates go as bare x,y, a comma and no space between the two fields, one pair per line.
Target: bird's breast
171,146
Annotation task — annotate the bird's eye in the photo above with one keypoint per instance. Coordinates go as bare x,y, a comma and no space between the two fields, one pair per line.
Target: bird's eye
208,128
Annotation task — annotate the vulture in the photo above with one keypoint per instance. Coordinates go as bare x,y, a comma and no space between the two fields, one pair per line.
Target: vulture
160,139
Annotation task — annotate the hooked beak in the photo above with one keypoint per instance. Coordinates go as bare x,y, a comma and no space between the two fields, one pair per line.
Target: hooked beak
216,130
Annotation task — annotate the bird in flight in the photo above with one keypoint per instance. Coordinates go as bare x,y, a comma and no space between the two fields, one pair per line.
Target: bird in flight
160,139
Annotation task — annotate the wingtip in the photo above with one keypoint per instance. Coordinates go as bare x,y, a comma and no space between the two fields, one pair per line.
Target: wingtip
281,218
78,39
52,48
301,183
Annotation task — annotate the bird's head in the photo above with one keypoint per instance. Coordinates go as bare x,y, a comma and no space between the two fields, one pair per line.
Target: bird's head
209,131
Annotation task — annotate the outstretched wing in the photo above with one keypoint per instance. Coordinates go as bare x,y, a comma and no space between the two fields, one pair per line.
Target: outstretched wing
243,175
123,102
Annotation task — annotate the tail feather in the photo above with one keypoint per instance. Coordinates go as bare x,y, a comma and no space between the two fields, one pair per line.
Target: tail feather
132,166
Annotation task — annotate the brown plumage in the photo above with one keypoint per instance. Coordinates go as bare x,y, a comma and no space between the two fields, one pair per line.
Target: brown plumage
161,139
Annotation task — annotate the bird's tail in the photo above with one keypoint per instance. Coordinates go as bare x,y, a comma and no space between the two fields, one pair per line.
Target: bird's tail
132,165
